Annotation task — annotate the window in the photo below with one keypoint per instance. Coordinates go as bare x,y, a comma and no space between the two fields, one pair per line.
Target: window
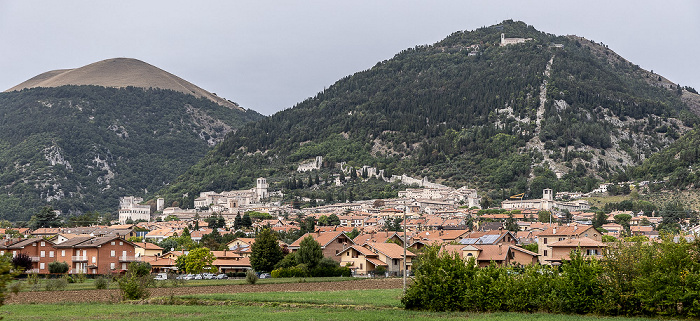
50,253
561,239
111,266
43,244
41,266
112,253
545,252
113,243
94,259
43,254
336,252
360,266
121,243
63,252
123,266
545,240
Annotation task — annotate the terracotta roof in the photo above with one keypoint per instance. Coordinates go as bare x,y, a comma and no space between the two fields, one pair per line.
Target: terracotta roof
374,237
376,262
578,242
363,250
323,238
240,263
147,246
391,250
574,229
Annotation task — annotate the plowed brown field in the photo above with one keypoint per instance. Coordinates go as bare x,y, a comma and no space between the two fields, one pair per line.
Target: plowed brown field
112,295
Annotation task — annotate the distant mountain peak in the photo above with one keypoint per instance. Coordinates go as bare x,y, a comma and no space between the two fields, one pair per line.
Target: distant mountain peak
121,72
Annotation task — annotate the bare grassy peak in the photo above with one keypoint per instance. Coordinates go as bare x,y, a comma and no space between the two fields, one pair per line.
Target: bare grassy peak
121,72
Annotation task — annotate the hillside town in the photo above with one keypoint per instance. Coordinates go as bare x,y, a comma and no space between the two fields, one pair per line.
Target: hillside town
365,236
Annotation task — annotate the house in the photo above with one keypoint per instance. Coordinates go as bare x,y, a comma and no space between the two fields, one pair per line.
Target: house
560,233
379,237
39,250
147,249
331,243
97,255
561,250
360,260
501,254
489,238
392,255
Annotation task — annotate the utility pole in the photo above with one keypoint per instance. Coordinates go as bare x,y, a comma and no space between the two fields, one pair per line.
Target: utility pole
404,250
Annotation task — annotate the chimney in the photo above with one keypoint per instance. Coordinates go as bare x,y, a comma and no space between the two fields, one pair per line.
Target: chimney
554,230
500,248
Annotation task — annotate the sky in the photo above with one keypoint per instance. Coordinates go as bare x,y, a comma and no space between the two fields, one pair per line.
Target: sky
269,55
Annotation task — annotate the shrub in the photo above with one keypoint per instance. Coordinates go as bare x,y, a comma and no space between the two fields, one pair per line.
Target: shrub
16,287
133,287
80,277
22,262
55,284
56,267
101,282
440,283
251,277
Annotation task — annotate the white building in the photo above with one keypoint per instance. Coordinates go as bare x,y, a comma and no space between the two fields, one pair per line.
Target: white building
546,203
511,41
129,208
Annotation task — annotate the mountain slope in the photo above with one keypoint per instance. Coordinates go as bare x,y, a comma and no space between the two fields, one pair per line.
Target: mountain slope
79,148
118,73
554,111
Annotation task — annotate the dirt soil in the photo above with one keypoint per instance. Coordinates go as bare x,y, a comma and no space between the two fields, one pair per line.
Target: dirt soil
112,295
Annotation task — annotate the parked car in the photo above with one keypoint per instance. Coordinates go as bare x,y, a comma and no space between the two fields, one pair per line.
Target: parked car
161,276
188,277
265,275
207,276
221,276
197,276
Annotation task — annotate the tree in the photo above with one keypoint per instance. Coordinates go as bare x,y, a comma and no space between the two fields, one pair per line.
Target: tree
22,262
567,217
309,253
333,220
511,224
237,222
544,216
624,220
265,252
56,267
485,202
246,221
196,261
7,275
352,234
600,219
46,217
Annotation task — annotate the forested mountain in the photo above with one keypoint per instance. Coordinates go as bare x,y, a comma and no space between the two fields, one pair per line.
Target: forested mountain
676,165
79,148
553,111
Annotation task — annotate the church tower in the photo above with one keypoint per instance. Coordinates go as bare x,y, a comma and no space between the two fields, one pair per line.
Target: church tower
261,189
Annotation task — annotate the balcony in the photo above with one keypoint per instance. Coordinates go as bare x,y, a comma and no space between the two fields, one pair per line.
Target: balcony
129,258
79,258
34,258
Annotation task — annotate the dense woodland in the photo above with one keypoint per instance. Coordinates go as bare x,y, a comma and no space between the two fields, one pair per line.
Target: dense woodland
80,148
463,119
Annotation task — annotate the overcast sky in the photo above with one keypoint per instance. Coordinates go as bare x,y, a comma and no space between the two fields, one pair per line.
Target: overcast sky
270,55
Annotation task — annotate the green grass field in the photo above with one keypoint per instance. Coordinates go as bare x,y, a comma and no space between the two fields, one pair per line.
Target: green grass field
332,305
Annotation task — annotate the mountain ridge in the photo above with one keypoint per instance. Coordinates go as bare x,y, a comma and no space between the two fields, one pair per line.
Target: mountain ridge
118,73
461,112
